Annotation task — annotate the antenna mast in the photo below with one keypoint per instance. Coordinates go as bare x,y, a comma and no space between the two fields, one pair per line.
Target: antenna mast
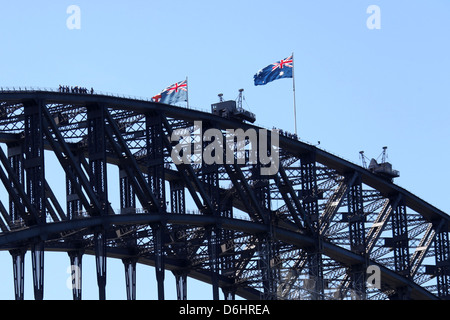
363,159
239,102
384,156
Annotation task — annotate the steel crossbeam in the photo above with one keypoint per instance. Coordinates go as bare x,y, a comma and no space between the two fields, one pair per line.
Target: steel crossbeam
291,199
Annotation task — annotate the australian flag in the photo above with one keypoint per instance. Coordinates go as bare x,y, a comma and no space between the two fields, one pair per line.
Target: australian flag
175,93
278,70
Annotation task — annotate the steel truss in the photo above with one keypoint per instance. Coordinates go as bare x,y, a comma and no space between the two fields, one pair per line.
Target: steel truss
311,231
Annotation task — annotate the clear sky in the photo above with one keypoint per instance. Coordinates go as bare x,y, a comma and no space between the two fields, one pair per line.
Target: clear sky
357,88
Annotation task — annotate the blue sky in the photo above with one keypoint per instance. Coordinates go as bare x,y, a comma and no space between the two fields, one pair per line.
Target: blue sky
357,89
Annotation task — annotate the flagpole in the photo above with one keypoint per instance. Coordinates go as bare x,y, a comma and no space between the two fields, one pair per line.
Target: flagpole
187,92
293,84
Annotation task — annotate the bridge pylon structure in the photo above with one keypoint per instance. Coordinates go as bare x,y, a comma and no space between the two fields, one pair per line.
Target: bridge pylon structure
318,228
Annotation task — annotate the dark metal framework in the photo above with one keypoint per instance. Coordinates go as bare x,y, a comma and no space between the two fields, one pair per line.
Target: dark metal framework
311,231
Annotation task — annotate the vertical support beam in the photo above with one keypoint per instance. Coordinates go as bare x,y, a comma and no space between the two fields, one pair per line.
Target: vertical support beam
34,159
159,258
177,197
266,250
76,269
130,277
310,196
266,242
213,253
227,250
98,180
178,206
400,240
309,192
155,157
210,179
400,245
181,283
261,189
267,246
100,261
210,184
442,255
97,155
18,258
229,293
35,185
127,194
155,174
128,206
37,259
356,220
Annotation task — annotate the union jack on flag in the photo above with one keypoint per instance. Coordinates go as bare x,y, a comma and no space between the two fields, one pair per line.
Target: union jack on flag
173,94
278,70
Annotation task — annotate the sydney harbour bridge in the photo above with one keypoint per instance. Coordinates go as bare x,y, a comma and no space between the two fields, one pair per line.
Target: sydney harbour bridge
320,228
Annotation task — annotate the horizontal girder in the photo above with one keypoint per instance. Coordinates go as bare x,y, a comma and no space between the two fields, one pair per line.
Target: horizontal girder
54,230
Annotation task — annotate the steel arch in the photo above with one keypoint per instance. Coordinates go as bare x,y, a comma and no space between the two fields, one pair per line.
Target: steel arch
336,218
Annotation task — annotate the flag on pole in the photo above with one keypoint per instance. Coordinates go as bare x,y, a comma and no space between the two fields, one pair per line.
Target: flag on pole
173,94
278,70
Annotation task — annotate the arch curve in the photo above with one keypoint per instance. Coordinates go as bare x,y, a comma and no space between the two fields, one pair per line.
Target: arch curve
310,230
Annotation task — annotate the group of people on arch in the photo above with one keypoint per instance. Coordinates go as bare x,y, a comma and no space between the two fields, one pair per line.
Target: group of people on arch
76,89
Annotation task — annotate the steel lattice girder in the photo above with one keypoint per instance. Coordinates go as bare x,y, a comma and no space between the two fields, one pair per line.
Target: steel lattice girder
316,195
